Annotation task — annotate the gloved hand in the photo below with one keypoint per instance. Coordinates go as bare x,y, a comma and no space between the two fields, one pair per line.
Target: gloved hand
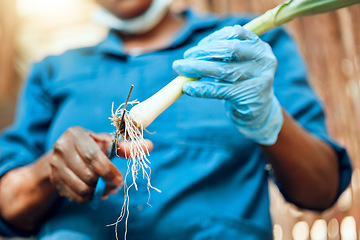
237,66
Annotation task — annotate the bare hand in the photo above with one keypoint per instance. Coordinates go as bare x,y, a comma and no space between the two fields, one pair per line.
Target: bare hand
79,159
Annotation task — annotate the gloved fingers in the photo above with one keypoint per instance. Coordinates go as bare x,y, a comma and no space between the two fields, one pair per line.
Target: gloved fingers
249,92
197,68
230,32
228,72
204,89
228,50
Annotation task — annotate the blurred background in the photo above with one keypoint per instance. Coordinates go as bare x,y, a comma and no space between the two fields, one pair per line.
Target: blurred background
32,29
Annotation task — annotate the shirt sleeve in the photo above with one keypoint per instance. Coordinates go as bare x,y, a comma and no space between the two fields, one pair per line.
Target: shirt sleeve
24,141
297,97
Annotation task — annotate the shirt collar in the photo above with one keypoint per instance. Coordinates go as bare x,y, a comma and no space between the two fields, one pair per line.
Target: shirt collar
112,44
194,21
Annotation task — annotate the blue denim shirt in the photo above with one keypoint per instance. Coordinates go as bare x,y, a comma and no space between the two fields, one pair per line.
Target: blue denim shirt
213,180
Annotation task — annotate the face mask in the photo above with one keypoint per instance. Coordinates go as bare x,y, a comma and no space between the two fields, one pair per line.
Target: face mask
138,25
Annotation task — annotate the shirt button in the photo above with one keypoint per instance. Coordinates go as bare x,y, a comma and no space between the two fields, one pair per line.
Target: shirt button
140,207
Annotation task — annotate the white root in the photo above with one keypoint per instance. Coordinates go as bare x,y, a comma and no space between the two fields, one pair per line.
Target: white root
137,156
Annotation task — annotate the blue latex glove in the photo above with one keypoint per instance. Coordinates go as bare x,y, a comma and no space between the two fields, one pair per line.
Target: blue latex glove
237,66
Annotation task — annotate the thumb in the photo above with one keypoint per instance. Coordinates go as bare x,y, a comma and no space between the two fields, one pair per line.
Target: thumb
124,148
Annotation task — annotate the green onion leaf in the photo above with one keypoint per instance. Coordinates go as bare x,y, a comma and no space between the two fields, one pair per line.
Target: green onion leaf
291,9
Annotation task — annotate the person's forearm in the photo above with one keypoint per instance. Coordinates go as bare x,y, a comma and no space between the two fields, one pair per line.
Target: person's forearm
27,195
306,167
